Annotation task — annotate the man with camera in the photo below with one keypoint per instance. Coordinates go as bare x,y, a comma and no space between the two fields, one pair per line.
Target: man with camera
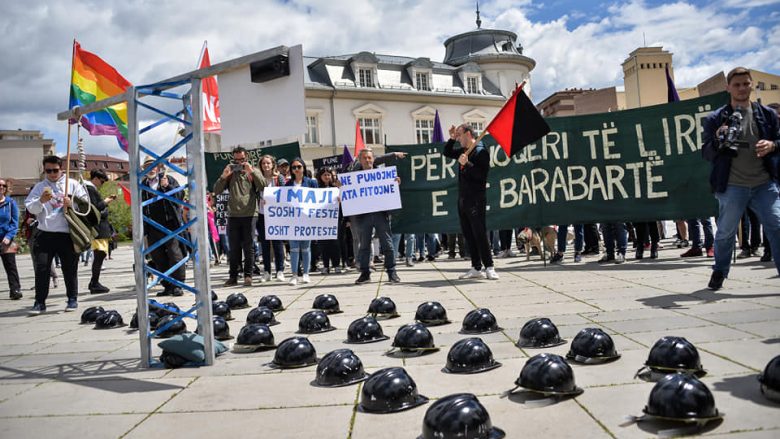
245,183
741,140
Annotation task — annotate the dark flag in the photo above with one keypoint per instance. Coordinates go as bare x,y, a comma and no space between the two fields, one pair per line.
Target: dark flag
517,124
671,91
438,134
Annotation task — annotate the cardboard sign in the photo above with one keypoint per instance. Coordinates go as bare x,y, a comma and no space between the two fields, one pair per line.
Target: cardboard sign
374,190
301,214
221,212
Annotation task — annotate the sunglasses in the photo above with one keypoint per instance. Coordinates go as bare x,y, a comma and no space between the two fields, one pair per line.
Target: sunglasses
52,171
3,185
296,167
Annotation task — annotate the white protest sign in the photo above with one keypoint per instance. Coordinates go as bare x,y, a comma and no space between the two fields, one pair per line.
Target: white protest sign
374,190
301,214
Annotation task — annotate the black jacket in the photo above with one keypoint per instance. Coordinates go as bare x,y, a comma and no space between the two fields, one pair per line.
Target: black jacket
163,211
472,178
103,228
768,128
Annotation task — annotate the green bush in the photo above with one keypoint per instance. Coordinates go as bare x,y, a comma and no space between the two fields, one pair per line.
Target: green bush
118,212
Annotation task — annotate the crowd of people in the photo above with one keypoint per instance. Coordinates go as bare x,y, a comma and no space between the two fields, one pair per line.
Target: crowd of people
744,180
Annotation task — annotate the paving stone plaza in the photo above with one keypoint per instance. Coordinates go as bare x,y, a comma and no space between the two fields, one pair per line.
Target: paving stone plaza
59,378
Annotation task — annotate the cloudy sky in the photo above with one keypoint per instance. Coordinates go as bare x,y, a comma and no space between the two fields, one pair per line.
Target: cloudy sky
575,43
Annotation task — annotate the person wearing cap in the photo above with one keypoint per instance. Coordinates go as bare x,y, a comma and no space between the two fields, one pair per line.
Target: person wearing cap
245,184
9,226
100,244
48,202
284,168
168,214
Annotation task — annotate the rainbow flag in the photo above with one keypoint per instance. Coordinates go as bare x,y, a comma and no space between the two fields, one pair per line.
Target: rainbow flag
92,79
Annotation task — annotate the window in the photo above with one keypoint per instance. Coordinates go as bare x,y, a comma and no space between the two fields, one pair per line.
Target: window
366,77
422,80
761,86
478,126
423,130
105,165
370,128
472,85
312,130
773,86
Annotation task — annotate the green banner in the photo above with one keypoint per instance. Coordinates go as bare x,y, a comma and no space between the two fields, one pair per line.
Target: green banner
634,165
216,161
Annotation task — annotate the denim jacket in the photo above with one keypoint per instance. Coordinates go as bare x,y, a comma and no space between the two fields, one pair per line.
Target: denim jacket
9,218
768,128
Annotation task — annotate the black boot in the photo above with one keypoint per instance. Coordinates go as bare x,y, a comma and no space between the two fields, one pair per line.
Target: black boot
640,251
654,250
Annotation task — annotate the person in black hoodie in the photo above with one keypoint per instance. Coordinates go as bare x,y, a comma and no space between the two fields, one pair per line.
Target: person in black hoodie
100,244
472,198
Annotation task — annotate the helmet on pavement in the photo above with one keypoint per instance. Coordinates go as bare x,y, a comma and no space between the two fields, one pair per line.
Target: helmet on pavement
549,374
91,314
431,314
171,360
221,309
314,322
539,333
672,354
108,320
459,416
164,309
591,346
237,301
221,328
327,303
479,321
175,328
365,330
470,355
272,302
681,397
339,368
294,352
383,307
413,337
261,315
252,337
390,390
770,379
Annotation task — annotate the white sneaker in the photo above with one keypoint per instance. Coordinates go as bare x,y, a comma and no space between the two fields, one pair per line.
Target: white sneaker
266,277
491,274
293,281
473,273
305,279
280,276
510,253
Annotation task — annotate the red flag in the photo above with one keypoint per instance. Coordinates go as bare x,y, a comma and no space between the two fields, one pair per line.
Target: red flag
517,124
210,96
358,139
125,194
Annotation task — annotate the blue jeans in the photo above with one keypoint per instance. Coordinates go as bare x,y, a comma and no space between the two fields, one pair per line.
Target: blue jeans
695,235
423,240
300,250
731,205
366,223
408,246
579,237
615,232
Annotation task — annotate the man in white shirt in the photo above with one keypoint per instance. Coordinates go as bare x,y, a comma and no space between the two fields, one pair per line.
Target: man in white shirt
47,201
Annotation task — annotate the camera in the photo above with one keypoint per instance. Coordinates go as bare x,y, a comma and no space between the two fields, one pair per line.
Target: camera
729,140
236,167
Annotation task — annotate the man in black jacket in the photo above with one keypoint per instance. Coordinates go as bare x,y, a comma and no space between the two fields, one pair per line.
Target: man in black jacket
168,215
100,244
472,198
744,169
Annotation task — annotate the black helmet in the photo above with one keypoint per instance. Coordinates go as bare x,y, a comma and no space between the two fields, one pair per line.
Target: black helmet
390,390
261,315
339,368
459,416
221,328
164,309
327,303
549,374
271,302
253,337
479,321
431,314
384,307
592,345
175,328
237,301
414,337
108,320
314,322
221,309
671,354
91,314
470,355
365,330
171,360
770,379
539,333
681,397
152,317
214,297
294,352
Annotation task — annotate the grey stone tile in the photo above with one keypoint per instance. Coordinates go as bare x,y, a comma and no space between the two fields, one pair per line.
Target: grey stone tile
87,427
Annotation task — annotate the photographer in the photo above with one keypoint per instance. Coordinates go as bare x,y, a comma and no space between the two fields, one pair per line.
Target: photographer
244,183
741,141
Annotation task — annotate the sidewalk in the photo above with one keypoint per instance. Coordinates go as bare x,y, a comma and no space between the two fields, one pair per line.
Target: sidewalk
62,379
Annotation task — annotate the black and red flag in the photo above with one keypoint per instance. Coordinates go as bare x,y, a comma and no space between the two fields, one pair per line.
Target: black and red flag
517,124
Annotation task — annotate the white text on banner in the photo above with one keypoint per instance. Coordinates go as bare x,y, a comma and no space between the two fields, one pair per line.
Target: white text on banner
301,214
374,190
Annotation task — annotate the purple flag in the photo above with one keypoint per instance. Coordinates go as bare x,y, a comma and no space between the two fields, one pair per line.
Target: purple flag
438,134
671,91
346,159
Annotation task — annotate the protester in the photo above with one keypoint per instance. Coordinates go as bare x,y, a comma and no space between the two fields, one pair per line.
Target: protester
213,232
169,215
244,182
472,200
272,178
48,202
300,250
331,248
9,226
615,243
100,244
579,241
283,166
643,231
744,172
695,237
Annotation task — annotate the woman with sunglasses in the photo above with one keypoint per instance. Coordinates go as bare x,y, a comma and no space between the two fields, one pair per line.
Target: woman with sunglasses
272,178
9,225
300,250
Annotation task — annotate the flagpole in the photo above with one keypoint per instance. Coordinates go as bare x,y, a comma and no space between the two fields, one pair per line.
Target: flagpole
67,154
